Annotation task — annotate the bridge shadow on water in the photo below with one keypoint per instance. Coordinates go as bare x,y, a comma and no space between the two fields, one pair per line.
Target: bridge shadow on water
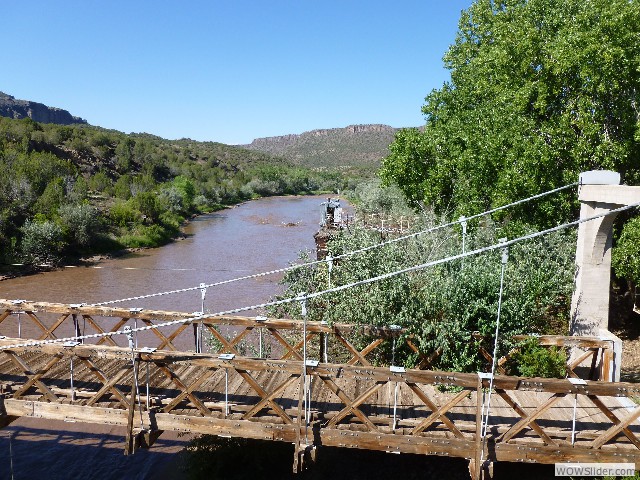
57,450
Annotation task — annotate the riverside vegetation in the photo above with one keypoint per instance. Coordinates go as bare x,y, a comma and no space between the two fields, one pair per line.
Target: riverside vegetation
75,190
540,90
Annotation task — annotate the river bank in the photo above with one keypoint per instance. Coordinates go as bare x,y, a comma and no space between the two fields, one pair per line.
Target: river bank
15,270
255,236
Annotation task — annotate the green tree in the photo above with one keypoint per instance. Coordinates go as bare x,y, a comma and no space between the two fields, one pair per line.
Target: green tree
625,258
540,90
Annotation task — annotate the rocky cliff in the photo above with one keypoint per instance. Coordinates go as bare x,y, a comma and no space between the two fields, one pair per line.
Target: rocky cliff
355,145
12,108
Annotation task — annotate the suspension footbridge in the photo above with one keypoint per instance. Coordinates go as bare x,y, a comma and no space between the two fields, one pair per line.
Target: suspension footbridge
308,383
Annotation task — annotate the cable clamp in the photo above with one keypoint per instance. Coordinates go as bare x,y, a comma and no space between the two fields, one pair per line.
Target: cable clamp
463,221
127,331
226,356
77,305
147,349
302,298
485,376
70,344
505,250
312,363
396,369
261,318
135,310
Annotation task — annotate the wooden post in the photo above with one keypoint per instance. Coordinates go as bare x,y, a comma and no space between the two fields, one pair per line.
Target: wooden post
297,458
475,464
129,439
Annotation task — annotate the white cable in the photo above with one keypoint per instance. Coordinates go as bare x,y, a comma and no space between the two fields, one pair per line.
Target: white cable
484,417
334,289
343,255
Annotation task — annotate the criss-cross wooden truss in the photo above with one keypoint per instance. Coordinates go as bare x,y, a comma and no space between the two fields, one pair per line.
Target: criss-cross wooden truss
350,404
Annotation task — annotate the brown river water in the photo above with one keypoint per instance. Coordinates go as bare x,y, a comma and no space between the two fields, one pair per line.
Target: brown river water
257,236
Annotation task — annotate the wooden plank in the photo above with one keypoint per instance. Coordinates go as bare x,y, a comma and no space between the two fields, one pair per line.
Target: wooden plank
534,426
357,356
285,344
616,429
440,412
49,331
164,341
260,391
27,371
115,328
176,380
351,406
149,314
433,407
38,375
97,327
93,368
271,396
34,318
515,429
188,391
613,417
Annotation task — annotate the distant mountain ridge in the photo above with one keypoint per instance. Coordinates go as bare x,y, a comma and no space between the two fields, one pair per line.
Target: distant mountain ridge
352,146
12,108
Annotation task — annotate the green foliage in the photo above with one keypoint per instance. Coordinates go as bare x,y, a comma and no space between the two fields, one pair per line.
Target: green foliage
540,90
45,167
625,258
533,360
442,305
354,149
51,199
80,224
370,198
147,203
123,214
146,236
42,242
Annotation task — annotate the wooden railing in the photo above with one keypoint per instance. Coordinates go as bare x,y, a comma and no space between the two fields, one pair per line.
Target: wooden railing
263,337
358,406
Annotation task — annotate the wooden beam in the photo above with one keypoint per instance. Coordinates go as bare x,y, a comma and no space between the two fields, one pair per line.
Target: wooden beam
129,438
33,376
518,427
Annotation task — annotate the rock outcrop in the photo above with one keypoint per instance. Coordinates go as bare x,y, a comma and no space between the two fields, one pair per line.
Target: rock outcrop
12,108
355,145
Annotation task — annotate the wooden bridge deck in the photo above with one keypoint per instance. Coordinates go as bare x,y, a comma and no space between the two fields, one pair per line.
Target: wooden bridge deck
351,405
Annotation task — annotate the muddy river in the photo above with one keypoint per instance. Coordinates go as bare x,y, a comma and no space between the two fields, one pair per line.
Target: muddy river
257,236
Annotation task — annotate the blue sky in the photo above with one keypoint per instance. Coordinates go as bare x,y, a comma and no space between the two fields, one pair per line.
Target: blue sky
228,71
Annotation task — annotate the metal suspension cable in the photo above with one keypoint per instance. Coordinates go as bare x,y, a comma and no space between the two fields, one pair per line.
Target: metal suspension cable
340,288
484,418
343,255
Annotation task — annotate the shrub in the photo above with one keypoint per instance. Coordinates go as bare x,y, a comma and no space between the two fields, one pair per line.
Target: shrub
442,305
80,223
123,214
42,242
533,360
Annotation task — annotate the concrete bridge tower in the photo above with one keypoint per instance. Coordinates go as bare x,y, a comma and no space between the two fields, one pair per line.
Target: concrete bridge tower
599,192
